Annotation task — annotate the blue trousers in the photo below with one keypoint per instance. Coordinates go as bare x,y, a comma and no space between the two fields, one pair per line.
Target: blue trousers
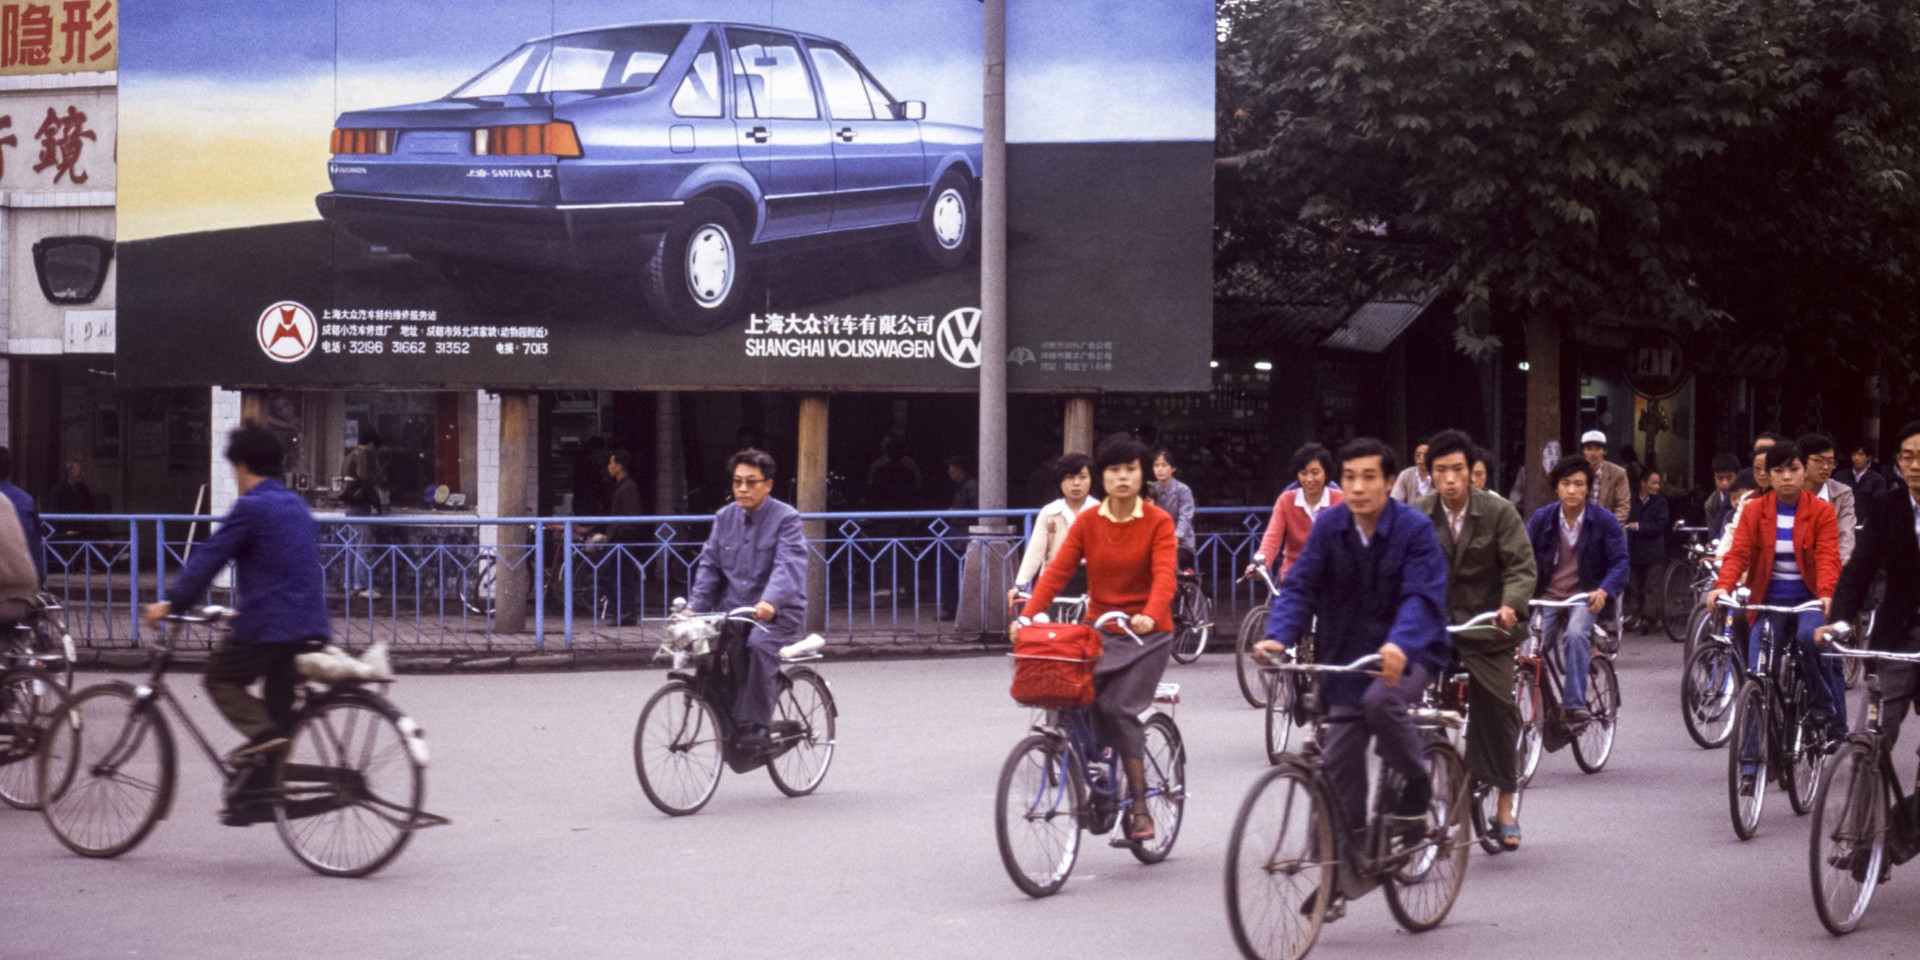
1574,625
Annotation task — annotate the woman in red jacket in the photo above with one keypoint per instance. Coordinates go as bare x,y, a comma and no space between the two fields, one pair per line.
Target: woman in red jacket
1131,556
1298,507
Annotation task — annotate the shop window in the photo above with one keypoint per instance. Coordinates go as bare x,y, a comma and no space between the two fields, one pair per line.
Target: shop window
72,269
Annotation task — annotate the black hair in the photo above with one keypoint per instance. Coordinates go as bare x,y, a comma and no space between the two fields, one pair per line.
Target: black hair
1743,483
1070,464
1479,455
1726,463
1118,449
1782,454
1163,453
623,458
255,447
1815,444
1768,437
369,437
1446,443
1360,448
1567,467
757,459
1313,453
964,462
1912,429
6,463
1864,446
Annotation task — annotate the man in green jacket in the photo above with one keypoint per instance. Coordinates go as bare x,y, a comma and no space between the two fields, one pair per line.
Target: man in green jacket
1490,567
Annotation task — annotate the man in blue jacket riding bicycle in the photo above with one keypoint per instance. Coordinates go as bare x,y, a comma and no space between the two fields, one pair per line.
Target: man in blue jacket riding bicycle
1373,573
1578,547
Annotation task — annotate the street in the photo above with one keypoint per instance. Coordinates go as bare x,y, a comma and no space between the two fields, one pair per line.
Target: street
554,851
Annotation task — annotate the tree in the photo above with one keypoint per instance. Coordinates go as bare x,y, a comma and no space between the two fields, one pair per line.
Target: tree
1743,166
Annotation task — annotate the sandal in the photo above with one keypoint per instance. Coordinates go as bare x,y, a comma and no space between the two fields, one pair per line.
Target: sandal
1135,833
1508,834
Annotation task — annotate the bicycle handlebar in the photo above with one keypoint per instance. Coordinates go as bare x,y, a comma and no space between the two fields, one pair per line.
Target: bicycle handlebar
1577,600
1121,618
1843,651
1479,622
1358,666
1731,604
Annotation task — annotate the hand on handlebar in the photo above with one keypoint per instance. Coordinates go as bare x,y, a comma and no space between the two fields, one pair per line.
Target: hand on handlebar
1508,617
1268,652
1714,597
763,611
1141,624
1597,601
1393,663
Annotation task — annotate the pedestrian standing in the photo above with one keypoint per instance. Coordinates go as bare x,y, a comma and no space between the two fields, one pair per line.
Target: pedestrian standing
71,496
1612,489
1414,482
1647,522
364,476
622,597
966,498
1867,478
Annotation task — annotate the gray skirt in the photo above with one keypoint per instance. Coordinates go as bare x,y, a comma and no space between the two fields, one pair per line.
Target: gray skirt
1128,672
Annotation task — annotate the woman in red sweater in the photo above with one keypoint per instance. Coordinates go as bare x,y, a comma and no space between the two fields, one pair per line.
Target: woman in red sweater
1131,556
1298,507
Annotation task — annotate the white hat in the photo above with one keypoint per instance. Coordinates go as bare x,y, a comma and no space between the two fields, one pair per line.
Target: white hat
1593,436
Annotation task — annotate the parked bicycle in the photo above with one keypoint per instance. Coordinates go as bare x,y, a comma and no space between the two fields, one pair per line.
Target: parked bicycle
1773,730
1539,689
36,671
1192,617
1291,865
1863,824
1060,780
686,732
346,792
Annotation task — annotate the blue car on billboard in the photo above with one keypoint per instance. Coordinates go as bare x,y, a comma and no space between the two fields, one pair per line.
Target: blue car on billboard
677,152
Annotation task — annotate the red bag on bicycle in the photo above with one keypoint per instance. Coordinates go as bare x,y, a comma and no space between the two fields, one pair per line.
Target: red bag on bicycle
1053,664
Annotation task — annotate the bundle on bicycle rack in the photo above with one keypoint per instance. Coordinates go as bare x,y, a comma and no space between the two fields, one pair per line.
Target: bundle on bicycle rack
330,663
692,636
1053,664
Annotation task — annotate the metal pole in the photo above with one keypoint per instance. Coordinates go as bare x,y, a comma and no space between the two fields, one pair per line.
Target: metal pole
992,477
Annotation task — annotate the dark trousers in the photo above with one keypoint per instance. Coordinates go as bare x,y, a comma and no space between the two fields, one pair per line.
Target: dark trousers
1640,590
1493,728
233,667
753,660
1382,715
1898,684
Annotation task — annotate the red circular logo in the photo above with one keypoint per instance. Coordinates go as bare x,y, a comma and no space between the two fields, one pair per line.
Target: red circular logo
286,331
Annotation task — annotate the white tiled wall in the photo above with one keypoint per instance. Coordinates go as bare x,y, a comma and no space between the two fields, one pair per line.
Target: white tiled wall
226,416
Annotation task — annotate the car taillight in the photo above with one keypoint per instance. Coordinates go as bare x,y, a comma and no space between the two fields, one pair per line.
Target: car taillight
555,139
362,141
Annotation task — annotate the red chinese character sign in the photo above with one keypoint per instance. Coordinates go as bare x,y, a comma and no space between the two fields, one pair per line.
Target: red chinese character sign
699,194
64,36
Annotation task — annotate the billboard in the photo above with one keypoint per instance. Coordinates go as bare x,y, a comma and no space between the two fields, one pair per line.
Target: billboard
692,194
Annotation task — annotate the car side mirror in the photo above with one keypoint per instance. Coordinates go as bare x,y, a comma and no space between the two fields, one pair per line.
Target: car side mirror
913,110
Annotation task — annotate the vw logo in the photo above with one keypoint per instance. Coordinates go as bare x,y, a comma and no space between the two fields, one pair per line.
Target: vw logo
959,337
286,331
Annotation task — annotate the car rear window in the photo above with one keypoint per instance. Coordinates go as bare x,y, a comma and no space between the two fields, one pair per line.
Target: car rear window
629,58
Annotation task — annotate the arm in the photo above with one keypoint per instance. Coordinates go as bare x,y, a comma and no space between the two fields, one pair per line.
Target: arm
1300,592
1274,540
1739,550
1845,519
1059,570
1419,628
787,584
190,585
1166,571
1183,521
1826,556
1520,573
708,580
1856,577
1036,554
1615,542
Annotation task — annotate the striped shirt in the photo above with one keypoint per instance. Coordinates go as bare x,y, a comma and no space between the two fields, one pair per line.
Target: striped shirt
1785,566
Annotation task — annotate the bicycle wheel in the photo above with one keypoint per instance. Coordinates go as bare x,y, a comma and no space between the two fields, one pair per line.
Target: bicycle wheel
1037,820
1677,601
678,747
1166,762
53,649
801,758
1282,694
1253,628
1853,670
29,698
1420,898
1749,727
350,787
1847,842
1802,750
1193,621
106,771
1707,686
1594,744
478,582
1526,694
1281,866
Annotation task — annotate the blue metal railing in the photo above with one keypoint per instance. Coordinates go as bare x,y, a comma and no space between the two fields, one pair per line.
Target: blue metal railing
436,583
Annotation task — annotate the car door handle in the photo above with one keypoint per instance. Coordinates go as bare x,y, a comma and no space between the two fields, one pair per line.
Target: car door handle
758,135
845,133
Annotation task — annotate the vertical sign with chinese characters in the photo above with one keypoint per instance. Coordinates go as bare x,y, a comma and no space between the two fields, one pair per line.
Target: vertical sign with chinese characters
59,36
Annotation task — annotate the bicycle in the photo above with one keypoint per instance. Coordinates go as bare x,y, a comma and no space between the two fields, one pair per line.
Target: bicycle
1710,681
686,732
1685,582
1192,618
1443,708
1539,686
1862,823
1253,627
1292,867
346,791
1060,781
35,675
1772,710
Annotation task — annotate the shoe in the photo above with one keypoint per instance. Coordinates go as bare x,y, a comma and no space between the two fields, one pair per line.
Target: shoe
753,742
1507,835
1578,715
261,747
785,730
246,814
369,594
1336,908
1415,798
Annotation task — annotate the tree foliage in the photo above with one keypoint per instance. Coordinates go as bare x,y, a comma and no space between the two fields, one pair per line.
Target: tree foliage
1692,163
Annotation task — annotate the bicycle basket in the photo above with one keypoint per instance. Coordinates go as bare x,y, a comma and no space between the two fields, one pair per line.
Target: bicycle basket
1053,664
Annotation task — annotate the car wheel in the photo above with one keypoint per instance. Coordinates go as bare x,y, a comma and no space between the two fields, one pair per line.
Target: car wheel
697,277
947,224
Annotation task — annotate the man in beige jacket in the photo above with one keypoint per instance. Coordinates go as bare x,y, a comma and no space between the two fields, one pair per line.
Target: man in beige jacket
1610,488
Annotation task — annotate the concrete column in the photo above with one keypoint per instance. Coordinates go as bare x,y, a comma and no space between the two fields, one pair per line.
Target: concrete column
1077,437
811,494
515,579
669,467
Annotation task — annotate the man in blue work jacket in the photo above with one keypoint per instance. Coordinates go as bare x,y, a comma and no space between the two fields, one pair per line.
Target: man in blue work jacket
755,557
274,544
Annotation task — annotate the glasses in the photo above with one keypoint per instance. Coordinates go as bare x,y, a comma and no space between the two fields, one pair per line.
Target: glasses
748,481
1908,456
1828,460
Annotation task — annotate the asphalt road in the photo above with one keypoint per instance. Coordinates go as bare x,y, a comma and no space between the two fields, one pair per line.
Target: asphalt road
554,852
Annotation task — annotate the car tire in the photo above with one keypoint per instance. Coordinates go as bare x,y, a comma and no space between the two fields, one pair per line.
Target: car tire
697,275
949,222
